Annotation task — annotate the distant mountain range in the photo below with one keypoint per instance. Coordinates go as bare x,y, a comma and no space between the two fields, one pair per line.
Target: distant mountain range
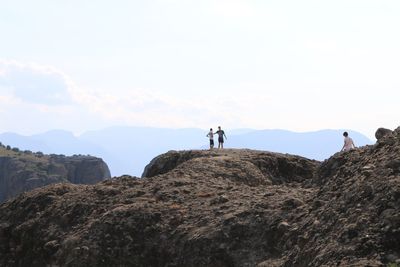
127,150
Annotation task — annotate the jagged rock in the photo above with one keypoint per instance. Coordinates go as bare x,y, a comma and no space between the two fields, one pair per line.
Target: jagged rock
217,208
381,132
21,172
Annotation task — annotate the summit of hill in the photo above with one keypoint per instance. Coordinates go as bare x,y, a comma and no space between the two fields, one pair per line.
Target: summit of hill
231,207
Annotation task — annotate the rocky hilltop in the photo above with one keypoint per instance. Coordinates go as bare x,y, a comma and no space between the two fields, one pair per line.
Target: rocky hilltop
218,208
22,171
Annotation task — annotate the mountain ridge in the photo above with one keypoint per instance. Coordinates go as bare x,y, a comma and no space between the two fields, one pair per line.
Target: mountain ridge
127,150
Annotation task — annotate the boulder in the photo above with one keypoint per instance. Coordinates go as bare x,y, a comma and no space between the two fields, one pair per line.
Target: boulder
382,132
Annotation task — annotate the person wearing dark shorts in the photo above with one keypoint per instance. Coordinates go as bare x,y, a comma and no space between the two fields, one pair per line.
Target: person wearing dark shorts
211,136
221,135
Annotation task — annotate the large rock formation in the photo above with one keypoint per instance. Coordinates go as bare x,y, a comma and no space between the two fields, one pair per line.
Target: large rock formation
24,171
270,167
218,208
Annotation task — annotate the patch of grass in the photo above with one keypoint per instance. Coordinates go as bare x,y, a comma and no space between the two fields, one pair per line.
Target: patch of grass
4,152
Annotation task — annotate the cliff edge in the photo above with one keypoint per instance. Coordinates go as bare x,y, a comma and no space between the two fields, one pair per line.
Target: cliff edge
22,171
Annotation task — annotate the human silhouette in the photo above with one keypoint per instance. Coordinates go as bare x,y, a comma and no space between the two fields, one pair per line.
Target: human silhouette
221,135
211,136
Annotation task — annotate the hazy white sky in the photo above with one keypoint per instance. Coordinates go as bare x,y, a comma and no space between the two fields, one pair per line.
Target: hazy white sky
296,65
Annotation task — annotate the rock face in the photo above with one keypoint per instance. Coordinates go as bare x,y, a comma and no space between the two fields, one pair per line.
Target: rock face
24,171
217,208
381,132
354,220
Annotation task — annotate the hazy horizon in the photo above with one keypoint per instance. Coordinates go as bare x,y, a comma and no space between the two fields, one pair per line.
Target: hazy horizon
127,150
295,65
228,130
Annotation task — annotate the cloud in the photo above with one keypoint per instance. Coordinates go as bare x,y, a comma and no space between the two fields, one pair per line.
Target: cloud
34,83
158,109
271,105
47,97
53,95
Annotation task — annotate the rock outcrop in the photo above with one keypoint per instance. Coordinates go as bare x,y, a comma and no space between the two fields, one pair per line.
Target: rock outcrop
24,171
268,167
381,132
354,218
217,208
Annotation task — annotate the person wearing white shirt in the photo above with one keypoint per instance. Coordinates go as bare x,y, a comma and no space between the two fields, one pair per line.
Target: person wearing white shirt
211,136
348,143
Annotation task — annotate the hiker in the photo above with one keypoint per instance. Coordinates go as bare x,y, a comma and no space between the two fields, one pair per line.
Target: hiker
211,136
221,135
348,143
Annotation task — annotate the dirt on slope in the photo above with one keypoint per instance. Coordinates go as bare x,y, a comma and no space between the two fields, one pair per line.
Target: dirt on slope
217,208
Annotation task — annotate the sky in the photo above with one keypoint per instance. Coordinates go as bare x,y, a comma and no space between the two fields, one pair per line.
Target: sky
294,65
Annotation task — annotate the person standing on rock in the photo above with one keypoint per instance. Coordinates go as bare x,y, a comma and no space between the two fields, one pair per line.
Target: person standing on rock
221,135
348,143
211,136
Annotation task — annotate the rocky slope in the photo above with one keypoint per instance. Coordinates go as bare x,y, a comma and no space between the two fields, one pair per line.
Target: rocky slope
23,171
218,208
